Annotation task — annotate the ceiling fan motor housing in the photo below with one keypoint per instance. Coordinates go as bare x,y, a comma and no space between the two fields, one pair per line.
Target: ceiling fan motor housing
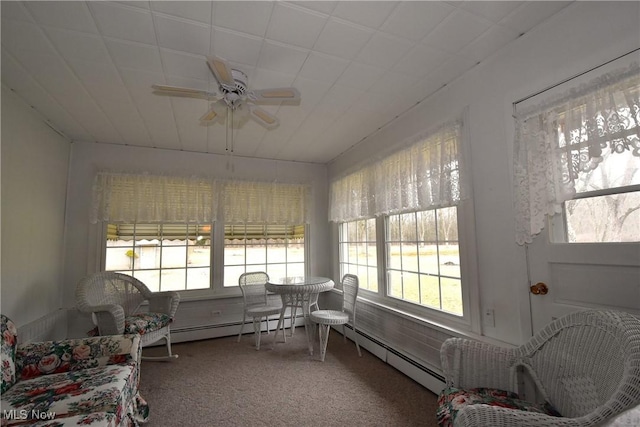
240,80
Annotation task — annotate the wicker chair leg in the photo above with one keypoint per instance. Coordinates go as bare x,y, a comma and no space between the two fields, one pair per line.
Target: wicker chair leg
256,330
323,332
244,319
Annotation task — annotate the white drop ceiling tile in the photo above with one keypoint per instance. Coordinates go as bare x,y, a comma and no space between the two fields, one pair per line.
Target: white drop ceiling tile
374,101
421,60
178,34
322,6
124,22
492,10
265,79
369,13
531,13
139,83
393,82
76,45
278,57
457,31
235,46
72,15
489,42
341,38
453,69
383,50
101,81
344,94
360,76
160,122
126,120
194,10
185,65
324,68
251,17
294,25
25,38
14,11
415,19
134,55
311,92
136,3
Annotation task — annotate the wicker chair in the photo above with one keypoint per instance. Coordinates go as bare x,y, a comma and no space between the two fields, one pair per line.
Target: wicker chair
256,305
585,367
326,318
115,299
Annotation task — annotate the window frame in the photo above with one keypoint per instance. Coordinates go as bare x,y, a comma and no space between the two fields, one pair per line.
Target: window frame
216,287
470,319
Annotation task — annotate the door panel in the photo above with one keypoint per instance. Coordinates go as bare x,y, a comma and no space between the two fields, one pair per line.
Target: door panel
580,276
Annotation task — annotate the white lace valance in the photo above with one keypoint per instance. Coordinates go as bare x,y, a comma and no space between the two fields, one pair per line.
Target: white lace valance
152,198
425,174
266,202
562,140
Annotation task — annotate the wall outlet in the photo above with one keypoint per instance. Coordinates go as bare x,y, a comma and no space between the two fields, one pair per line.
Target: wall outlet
216,312
489,318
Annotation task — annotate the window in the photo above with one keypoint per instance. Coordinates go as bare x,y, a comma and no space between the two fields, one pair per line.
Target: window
423,259
358,252
165,257
160,229
577,156
276,249
408,255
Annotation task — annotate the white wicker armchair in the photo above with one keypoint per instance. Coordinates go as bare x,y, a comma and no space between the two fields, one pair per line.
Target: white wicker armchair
115,299
586,365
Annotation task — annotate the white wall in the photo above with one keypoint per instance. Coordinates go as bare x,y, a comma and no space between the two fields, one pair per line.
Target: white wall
581,36
82,237
35,163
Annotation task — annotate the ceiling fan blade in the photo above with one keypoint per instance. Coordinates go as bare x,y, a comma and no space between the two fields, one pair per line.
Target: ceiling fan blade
208,116
222,71
263,117
185,92
289,94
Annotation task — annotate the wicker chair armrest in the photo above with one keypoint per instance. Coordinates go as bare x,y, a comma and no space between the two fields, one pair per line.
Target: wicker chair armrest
469,363
164,302
109,318
495,416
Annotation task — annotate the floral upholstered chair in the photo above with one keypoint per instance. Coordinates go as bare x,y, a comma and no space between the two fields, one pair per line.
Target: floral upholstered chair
115,301
585,368
89,381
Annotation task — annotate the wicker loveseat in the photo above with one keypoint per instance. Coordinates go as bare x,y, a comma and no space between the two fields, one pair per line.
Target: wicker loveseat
88,381
585,367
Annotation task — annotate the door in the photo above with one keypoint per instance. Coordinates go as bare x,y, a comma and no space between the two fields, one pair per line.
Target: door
579,276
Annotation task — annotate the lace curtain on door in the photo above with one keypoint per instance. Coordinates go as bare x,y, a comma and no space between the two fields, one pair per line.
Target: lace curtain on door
561,140
423,175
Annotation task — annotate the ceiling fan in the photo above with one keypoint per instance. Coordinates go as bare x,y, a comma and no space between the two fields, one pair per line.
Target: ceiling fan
234,96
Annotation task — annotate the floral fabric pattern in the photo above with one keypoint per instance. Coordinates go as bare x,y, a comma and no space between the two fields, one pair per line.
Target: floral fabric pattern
452,400
54,357
87,381
145,322
8,352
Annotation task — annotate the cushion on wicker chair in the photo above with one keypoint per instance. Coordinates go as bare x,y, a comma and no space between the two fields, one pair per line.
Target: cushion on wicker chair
142,323
452,400
8,344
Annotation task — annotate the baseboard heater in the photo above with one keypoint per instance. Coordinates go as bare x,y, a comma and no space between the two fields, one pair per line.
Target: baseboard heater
415,370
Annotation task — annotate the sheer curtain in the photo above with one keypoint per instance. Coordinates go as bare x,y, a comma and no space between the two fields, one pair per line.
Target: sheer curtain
266,202
561,140
152,198
424,174
119,197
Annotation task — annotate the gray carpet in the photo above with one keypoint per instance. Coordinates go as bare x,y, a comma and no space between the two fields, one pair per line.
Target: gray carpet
220,382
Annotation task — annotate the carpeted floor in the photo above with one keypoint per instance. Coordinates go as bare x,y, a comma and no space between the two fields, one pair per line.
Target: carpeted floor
220,382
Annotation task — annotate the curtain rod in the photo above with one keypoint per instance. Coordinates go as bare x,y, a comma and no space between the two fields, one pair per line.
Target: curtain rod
573,77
